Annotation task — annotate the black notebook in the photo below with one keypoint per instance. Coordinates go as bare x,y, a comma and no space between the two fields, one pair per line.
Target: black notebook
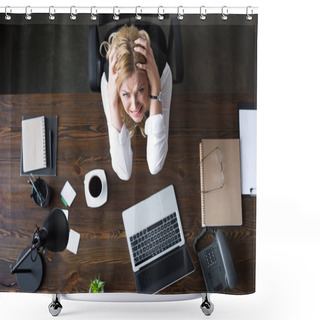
47,143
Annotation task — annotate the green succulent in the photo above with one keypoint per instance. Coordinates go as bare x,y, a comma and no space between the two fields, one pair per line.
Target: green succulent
96,285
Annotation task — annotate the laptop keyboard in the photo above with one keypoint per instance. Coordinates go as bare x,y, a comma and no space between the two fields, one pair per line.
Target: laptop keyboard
155,239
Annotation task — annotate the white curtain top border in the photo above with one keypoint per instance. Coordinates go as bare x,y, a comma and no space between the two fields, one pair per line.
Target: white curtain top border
129,10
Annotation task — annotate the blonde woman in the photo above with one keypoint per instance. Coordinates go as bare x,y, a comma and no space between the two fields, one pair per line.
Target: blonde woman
134,96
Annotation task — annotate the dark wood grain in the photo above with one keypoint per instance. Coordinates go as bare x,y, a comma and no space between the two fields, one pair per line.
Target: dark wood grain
82,146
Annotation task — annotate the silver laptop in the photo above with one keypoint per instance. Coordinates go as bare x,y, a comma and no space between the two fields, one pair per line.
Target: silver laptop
156,242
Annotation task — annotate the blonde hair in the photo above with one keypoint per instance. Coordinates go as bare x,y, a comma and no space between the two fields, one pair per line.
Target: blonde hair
124,39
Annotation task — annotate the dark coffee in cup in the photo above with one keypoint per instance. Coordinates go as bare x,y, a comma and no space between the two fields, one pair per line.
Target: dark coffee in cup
95,186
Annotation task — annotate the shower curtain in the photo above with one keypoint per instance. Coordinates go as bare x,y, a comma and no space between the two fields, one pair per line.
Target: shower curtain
53,68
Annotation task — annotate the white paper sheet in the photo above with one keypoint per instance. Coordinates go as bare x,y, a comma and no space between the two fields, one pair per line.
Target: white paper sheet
248,150
73,243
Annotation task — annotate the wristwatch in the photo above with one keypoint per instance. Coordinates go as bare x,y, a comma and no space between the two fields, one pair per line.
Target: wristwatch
158,97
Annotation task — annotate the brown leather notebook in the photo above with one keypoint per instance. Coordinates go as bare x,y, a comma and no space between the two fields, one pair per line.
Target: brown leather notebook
220,182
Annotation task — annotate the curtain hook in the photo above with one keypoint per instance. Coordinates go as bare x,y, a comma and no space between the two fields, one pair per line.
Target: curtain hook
224,13
203,13
52,12
249,15
138,16
180,13
160,15
73,13
6,10
116,15
93,16
28,13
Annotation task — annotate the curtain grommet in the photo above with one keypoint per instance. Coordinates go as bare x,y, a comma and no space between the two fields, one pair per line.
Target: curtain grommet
203,13
116,14
52,12
180,13
73,13
7,10
138,15
160,15
28,13
93,16
224,13
249,15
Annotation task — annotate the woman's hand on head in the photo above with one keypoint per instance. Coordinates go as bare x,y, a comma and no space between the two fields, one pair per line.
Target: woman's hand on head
150,66
113,75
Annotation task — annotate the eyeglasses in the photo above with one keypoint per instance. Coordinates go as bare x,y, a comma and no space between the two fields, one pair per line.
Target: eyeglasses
217,177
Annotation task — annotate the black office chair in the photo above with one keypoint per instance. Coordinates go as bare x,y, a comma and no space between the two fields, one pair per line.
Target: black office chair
163,52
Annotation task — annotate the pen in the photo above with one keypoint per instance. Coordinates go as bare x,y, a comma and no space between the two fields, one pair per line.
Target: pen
39,197
50,148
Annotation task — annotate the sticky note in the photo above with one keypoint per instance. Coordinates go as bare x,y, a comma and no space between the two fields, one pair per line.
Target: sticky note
67,194
66,213
73,243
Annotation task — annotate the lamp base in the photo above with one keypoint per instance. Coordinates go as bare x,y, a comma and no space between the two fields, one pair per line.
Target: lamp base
29,274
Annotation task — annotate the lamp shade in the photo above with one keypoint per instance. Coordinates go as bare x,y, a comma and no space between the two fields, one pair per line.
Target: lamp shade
57,231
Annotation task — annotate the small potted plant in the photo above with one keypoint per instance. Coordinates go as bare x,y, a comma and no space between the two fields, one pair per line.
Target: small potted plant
96,285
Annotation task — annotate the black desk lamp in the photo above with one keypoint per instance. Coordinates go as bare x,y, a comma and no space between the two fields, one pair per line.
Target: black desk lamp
53,236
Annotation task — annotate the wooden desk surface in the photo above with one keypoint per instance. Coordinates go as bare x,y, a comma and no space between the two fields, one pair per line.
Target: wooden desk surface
82,146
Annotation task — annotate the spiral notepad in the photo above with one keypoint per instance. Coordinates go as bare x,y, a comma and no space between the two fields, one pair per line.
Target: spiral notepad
220,182
34,144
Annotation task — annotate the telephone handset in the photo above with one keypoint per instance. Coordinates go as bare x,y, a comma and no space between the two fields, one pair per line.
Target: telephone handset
216,262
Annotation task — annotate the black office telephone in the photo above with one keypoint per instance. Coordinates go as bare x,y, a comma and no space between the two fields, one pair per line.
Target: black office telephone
216,262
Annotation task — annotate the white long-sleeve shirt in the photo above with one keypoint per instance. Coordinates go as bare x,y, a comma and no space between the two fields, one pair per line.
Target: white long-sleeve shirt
156,129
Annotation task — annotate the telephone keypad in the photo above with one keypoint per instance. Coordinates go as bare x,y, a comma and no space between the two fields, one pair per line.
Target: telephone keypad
210,257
